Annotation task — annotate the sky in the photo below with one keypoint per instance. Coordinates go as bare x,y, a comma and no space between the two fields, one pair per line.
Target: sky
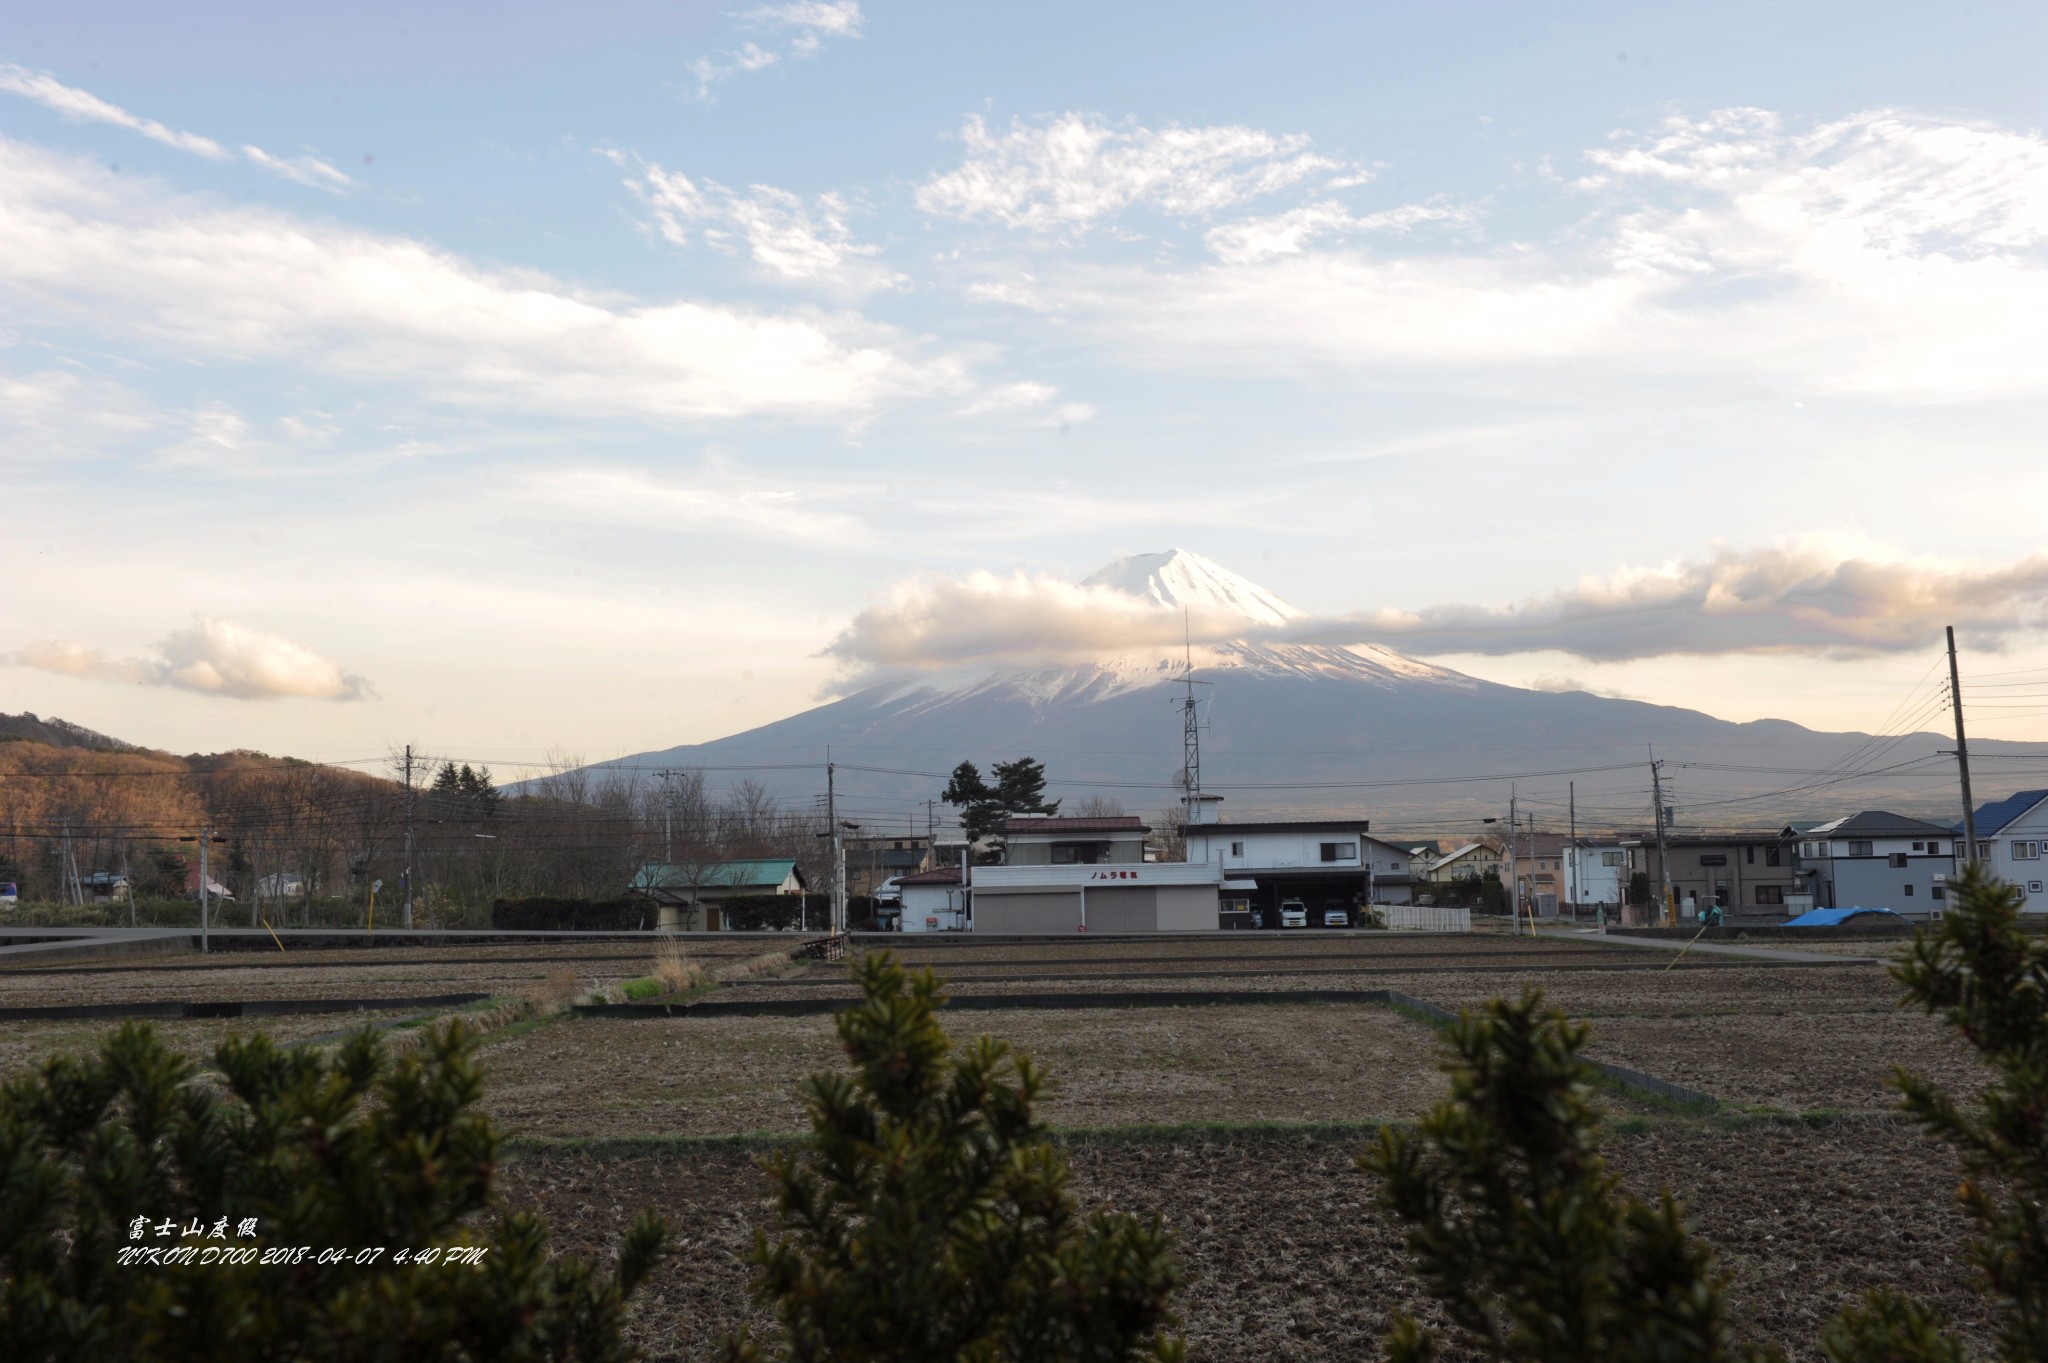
523,378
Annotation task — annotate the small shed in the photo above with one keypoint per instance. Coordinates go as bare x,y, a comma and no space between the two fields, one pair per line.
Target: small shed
689,894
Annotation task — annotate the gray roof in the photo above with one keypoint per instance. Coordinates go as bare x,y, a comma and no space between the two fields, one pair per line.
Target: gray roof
1879,823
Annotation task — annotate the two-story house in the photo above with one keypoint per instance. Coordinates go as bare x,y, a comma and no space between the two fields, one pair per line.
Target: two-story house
1742,873
1325,863
1079,840
1877,860
2012,842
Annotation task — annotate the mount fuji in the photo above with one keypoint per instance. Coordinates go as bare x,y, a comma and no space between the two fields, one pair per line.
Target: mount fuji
1299,728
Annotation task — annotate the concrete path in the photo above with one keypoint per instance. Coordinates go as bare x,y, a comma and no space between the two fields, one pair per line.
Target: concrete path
1781,955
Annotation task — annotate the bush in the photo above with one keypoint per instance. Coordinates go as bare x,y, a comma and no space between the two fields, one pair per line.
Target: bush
1986,976
574,915
1518,1227
769,913
352,1153
927,1214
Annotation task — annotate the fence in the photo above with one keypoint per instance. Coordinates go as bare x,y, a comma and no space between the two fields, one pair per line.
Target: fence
1427,918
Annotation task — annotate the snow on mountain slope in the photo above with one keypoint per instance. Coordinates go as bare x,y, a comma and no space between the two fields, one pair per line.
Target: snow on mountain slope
1180,578
1177,579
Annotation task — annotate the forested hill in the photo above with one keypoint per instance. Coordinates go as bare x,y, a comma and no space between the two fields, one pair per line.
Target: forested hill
58,733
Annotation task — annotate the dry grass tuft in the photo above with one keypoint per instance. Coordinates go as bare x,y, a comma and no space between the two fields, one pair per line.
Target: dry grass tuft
674,968
558,990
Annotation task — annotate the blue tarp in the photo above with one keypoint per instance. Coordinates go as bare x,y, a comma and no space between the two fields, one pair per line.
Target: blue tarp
1827,918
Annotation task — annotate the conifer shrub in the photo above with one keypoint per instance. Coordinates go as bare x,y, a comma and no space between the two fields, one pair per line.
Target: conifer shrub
1989,979
926,1215
358,1186
1518,1227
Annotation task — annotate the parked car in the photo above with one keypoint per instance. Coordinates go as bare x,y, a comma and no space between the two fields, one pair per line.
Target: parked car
890,891
1293,914
1336,918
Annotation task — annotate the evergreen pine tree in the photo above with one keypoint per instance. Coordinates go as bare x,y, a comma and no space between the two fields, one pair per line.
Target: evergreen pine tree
927,1215
1519,1228
127,1151
1988,977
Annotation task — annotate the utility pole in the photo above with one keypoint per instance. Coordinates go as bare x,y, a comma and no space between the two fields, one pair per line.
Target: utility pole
205,837
1571,873
406,919
1670,909
1532,875
1955,692
931,834
838,848
1514,871
668,815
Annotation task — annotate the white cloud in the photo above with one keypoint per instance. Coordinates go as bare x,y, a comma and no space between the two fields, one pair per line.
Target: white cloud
1791,601
307,170
46,90
211,656
1031,404
85,106
124,256
796,30
1073,170
64,411
724,503
786,238
1289,233
1880,256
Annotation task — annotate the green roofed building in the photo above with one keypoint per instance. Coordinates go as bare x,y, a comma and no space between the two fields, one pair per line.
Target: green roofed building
690,893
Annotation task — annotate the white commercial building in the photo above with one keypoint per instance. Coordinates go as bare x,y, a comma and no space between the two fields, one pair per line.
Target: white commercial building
1101,898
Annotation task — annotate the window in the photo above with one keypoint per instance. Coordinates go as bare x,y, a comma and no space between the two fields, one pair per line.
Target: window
2026,851
1937,893
1984,850
1934,848
2033,887
1713,859
1859,849
1774,856
1610,858
1770,894
1749,855
1898,861
1340,851
1909,892
1237,849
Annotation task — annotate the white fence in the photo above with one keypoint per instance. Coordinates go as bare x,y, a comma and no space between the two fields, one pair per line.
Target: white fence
1427,918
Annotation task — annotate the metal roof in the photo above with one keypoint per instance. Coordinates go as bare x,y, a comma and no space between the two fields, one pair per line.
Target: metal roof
1996,815
658,875
1876,823
1828,918
1081,823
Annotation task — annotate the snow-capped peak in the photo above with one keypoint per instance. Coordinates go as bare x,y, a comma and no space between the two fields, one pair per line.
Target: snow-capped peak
1182,578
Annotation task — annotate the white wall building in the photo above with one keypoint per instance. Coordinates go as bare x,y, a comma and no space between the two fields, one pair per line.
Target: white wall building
1107,897
1595,875
933,901
2012,842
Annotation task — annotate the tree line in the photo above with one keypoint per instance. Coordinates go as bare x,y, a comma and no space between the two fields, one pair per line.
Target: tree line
299,842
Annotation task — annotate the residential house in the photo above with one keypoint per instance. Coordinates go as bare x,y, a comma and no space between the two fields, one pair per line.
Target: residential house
2012,842
1081,840
873,859
1746,874
1469,861
689,896
1595,874
1325,863
933,901
1877,860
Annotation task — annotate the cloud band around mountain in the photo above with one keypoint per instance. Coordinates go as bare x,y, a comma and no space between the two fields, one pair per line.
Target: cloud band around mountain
211,656
1769,601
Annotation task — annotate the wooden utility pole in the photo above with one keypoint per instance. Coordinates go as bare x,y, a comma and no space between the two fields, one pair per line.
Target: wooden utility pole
205,837
1955,693
1669,906
1571,873
405,919
1514,871
838,850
